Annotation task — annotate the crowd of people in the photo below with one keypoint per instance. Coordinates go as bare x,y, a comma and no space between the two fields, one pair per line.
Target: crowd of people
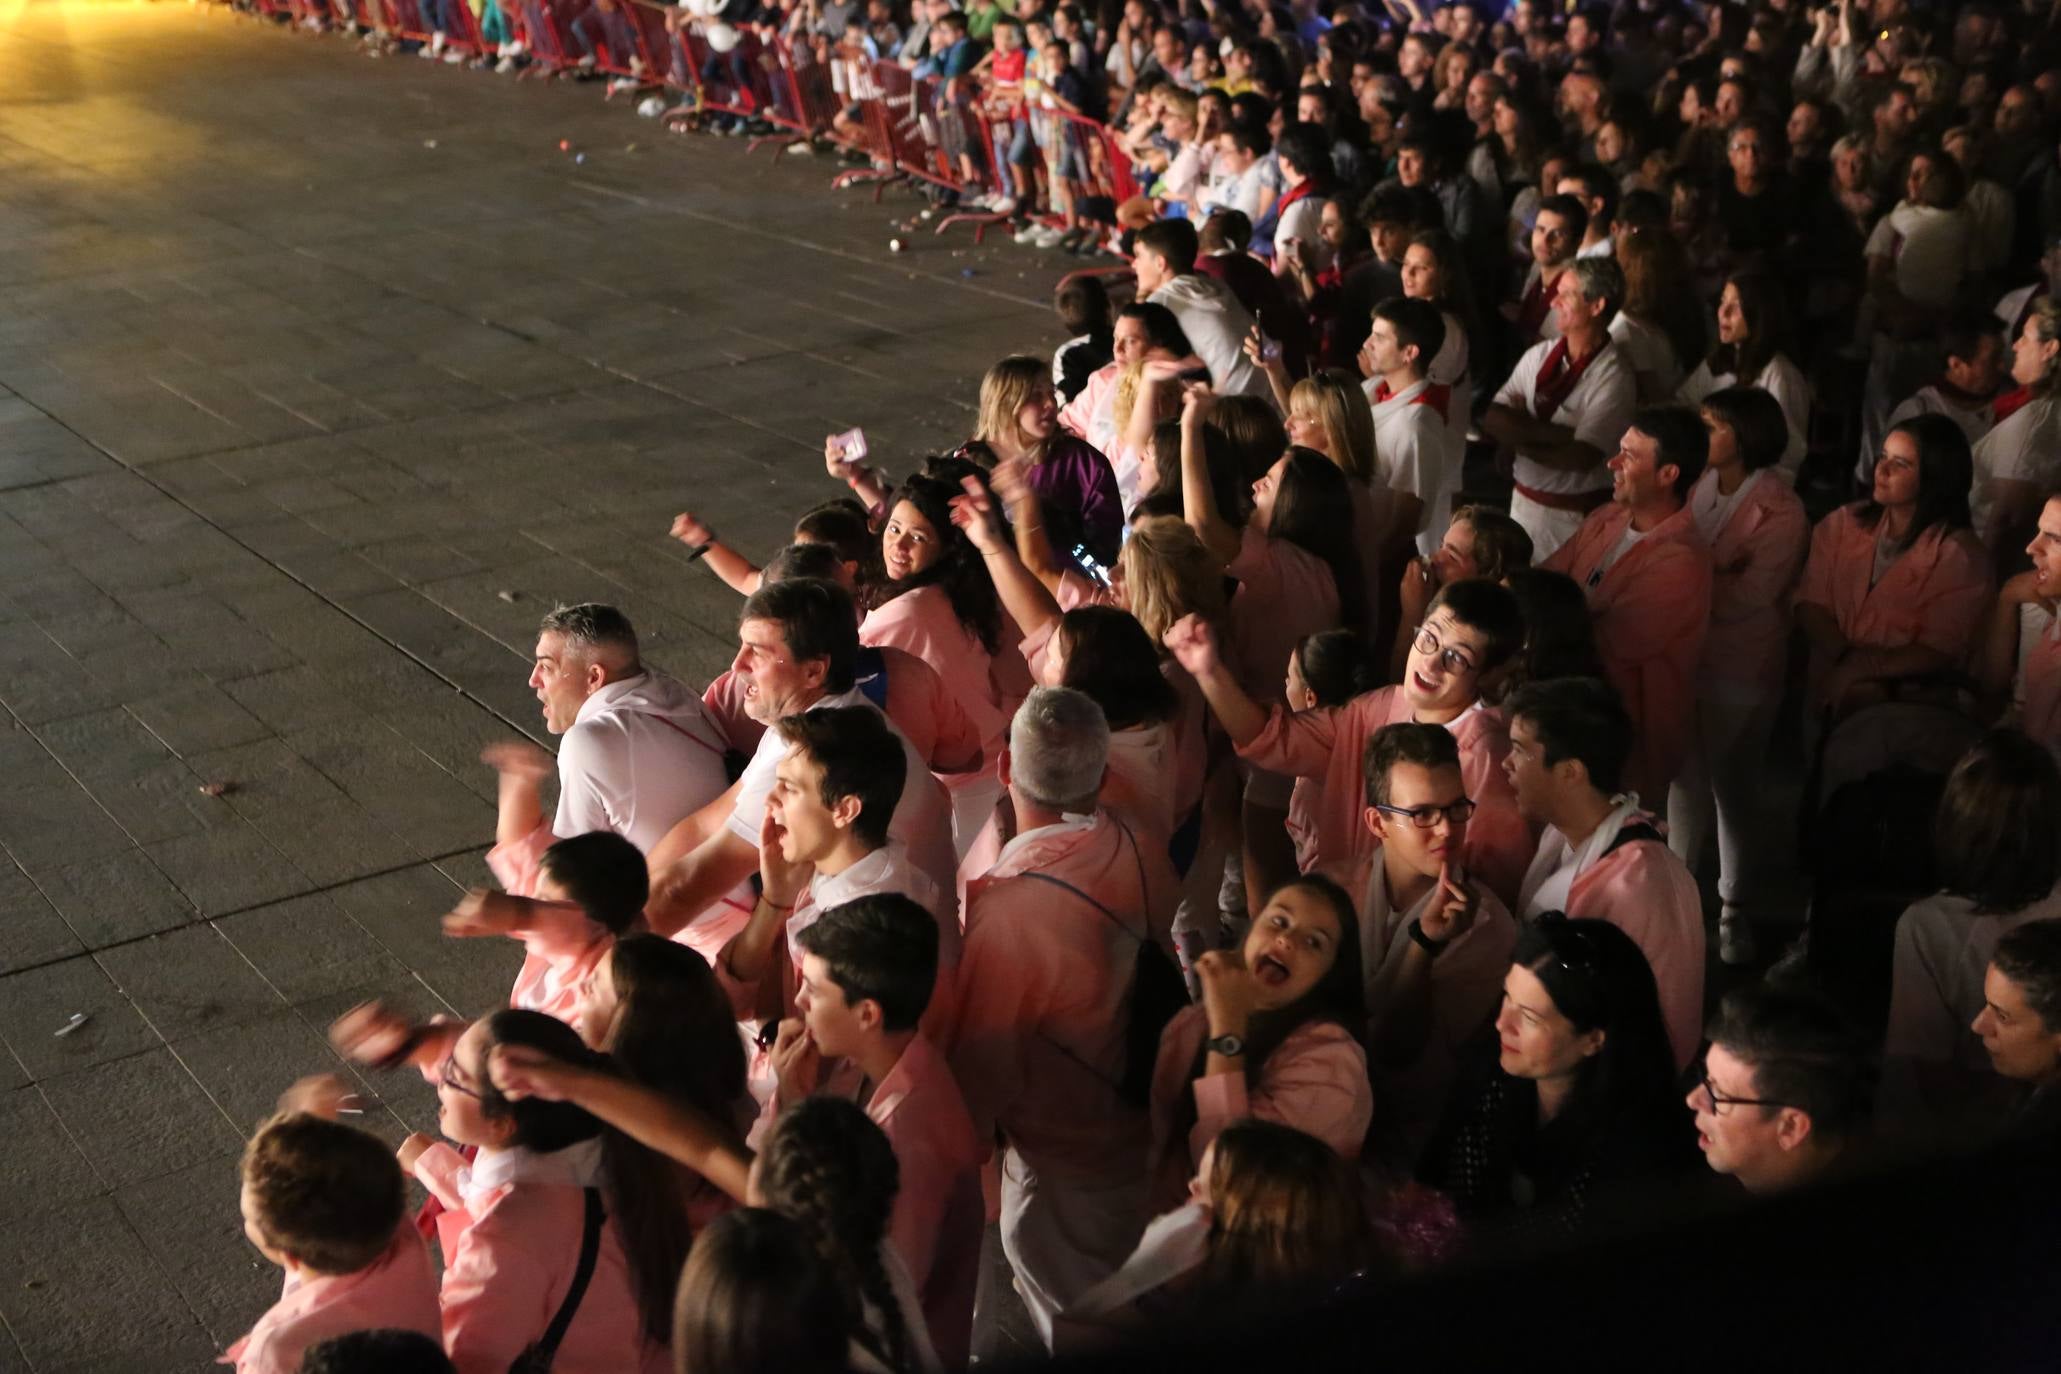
1263,816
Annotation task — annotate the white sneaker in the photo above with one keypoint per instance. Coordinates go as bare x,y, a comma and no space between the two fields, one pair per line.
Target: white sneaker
1028,234
1735,938
514,49
452,57
505,66
1003,205
427,53
1048,237
586,64
651,106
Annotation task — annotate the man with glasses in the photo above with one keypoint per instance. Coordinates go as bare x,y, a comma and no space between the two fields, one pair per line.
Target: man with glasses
1470,631
1434,942
1601,856
1647,574
1786,1090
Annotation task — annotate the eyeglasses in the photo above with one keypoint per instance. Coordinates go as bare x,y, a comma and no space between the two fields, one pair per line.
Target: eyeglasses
1452,660
1718,1100
1425,817
447,1074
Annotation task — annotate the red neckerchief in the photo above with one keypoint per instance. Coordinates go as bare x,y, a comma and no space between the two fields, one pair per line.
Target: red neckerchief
1531,314
1432,395
2012,401
1558,379
1302,189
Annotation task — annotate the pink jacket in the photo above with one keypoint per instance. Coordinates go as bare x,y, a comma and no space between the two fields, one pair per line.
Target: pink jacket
399,1289
1651,610
559,950
1934,595
922,623
1044,990
1315,1080
1644,890
511,1241
1330,743
1757,559
940,1214
1285,594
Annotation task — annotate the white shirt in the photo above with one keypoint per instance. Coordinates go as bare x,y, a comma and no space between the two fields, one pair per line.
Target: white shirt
1616,551
641,756
1930,248
1303,220
1550,879
1782,380
1975,421
1216,326
1599,410
1711,508
1412,453
922,820
1648,351
2025,447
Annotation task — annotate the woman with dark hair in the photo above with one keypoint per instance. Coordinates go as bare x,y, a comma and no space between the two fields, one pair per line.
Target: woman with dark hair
1757,532
1276,1036
1274,1221
1661,323
1896,585
1508,159
1104,652
1996,842
1573,1103
1254,434
1143,330
841,524
756,1298
1753,332
547,1177
1559,633
1434,269
938,604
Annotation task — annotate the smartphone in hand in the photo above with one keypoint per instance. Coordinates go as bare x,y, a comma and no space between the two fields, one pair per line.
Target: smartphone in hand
851,446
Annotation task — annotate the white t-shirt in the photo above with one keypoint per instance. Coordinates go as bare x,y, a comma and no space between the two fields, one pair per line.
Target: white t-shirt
641,756
1216,326
1648,352
1599,410
1930,248
1711,508
2024,447
1412,454
1303,220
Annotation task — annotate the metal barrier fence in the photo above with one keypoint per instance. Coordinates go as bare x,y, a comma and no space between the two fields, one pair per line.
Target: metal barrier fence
1052,165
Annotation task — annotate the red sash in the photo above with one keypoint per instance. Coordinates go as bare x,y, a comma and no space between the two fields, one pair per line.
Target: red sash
1531,313
1558,379
2011,402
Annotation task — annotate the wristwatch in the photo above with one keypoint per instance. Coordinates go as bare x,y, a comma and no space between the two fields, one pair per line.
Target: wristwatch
1229,1046
1430,945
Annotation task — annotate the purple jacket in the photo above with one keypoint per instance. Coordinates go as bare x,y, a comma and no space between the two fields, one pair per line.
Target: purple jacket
1077,488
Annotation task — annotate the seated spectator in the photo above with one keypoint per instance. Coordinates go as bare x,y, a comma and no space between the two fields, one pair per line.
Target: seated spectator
1895,585
1239,173
1965,392
1601,856
640,751
325,1203
1757,533
1752,325
512,1229
2014,463
2021,655
799,650
1479,542
1434,939
1274,1215
1082,304
1755,206
1786,1090
1647,571
1565,408
1208,312
1019,422
1996,842
1054,932
1277,1036
1561,1118
1472,628
756,1297
2020,1023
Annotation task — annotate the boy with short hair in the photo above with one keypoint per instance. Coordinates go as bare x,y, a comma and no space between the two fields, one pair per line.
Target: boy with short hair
325,1203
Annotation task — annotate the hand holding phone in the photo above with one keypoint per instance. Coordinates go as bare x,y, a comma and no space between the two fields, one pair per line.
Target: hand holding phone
851,445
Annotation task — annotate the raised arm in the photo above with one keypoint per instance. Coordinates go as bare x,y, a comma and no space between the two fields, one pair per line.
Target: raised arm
739,573
649,1117
1193,643
864,483
1026,599
1198,497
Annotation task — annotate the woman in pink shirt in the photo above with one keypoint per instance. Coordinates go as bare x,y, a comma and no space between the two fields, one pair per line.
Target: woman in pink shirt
1276,1037
1896,585
325,1202
1757,531
519,1216
588,890
1298,572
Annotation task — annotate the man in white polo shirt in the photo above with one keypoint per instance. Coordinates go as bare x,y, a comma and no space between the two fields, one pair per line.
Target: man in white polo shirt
1565,407
1417,453
639,753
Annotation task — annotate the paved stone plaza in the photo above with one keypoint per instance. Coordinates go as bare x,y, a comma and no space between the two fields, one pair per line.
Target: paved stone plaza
321,378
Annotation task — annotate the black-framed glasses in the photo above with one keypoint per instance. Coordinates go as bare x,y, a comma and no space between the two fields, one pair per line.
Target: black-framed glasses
447,1074
1719,1100
1452,660
1425,817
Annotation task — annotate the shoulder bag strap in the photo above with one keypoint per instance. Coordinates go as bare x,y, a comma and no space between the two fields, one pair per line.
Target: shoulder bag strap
546,1349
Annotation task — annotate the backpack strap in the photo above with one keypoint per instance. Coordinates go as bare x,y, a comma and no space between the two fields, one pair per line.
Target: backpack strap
541,1355
1637,830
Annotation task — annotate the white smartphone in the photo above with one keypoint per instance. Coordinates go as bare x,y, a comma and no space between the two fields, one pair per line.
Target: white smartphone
851,445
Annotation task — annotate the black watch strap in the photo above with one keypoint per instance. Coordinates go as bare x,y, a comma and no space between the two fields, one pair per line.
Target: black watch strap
1230,1046
1430,945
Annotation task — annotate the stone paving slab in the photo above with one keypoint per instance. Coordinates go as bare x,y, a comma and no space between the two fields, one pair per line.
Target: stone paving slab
299,436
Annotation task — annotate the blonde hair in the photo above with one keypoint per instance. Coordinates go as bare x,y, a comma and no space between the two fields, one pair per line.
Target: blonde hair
1130,385
1168,573
2046,322
1004,392
1333,402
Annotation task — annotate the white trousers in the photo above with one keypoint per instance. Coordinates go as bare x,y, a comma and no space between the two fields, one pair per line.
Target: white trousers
1548,528
1062,1239
1721,787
